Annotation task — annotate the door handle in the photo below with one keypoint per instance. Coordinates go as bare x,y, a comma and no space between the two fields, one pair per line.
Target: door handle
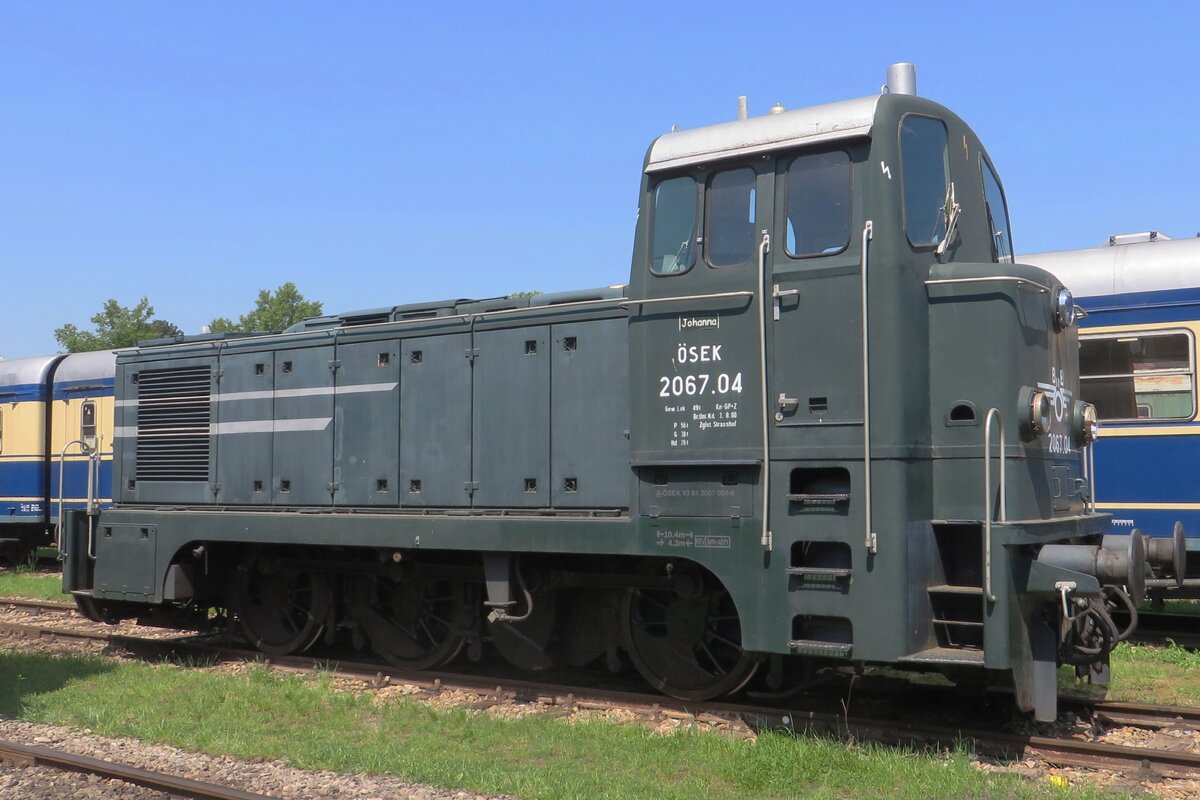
778,294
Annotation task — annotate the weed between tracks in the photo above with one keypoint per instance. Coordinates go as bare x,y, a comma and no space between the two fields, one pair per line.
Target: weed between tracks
303,721
1156,674
28,583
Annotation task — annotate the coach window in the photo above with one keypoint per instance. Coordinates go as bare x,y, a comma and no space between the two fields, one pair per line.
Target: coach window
87,421
673,232
1144,376
818,204
997,213
730,229
925,163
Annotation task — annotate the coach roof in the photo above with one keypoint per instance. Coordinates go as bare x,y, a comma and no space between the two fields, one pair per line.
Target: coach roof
1124,264
26,371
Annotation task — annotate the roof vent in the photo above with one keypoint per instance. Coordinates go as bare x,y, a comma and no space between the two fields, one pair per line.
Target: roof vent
742,110
1137,238
778,108
902,79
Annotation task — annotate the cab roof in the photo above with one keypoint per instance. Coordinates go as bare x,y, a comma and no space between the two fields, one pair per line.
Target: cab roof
829,122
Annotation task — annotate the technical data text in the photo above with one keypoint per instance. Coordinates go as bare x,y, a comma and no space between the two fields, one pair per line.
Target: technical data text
701,393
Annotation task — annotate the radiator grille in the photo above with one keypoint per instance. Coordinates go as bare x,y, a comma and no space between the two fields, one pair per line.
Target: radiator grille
174,414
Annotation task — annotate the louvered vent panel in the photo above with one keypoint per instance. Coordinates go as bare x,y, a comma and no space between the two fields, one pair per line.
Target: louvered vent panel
174,415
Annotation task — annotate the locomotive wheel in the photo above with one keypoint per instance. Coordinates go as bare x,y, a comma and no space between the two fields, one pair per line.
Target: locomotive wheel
282,609
686,641
416,624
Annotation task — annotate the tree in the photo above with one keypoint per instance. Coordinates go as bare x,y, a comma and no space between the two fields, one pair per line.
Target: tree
116,326
273,311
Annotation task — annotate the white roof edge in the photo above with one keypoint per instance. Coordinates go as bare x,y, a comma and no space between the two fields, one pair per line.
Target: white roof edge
829,122
1157,265
24,371
81,366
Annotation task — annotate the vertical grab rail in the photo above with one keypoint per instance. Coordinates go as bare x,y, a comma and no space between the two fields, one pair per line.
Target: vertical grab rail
93,455
764,247
870,539
993,413
1091,468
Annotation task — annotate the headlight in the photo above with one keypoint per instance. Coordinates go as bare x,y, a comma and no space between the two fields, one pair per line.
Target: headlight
1086,424
1039,412
1064,309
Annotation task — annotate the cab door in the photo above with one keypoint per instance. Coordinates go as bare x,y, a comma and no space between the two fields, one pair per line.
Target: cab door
813,321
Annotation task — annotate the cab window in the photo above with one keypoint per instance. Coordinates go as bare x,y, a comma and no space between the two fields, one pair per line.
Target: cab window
1145,376
818,204
87,421
673,232
730,231
997,214
925,164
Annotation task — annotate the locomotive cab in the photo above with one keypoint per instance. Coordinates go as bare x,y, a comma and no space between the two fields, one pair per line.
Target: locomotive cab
913,392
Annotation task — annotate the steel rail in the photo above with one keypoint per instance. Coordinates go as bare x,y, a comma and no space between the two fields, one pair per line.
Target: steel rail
1139,715
31,756
44,605
41,631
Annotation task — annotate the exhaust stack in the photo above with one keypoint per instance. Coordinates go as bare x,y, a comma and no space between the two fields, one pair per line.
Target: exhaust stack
902,78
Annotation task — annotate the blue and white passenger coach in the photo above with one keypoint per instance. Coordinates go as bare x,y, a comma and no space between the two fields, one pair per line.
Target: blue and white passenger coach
1137,361
56,418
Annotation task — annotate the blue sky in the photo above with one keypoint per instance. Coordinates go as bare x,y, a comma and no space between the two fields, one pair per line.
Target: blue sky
380,153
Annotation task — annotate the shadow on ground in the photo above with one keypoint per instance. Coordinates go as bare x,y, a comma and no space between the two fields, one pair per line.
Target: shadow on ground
24,675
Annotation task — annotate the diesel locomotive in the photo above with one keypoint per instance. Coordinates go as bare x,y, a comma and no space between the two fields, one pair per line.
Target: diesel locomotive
828,421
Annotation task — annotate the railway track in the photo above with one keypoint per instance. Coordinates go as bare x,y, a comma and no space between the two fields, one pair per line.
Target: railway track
30,756
40,605
561,700
1158,627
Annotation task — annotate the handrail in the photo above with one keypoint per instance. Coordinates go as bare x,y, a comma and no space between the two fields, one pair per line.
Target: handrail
764,247
673,299
870,539
1091,469
92,502
986,278
993,413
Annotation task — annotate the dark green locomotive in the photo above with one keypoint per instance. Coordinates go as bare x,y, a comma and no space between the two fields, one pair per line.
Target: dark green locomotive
769,449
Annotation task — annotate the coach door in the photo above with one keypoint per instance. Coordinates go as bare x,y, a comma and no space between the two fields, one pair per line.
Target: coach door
813,319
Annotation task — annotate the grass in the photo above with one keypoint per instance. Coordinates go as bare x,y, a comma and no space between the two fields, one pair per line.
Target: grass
24,582
1189,607
1155,674
304,722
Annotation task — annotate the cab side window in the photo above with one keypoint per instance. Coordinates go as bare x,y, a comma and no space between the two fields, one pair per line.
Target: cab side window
997,214
818,204
1139,376
673,232
925,164
731,231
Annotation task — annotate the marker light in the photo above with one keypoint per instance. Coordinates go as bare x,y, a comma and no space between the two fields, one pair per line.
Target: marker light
1087,423
1039,413
1064,309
